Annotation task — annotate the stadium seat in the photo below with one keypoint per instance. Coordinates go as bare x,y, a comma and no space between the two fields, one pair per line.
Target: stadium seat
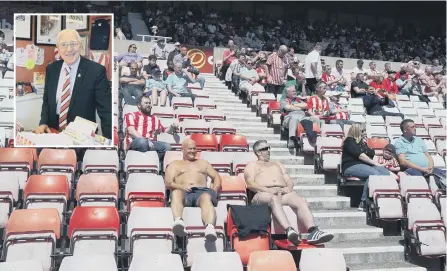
271,260
9,195
326,259
241,160
433,99
425,113
356,110
233,192
219,127
393,121
356,102
374,120
331,130
441,147
221,161
175,140
431,123
97,190
404,104
422,133
391,109
417,121
166,122
47,191
31,234
435,106
357,118
376,131
182,113
89,263
181,102
274,114
304,141
414,98
198,126
141,162
422,105
94,230
196,234
414,186
212,114
57,162
346,128
409,113
7,119
145,190
205,142
129,109
163,112
34,265
252,98
155,223
426,231
394,132
263,101
385,199
437,134
100,161
202,103
377,144
328,153
157,262
217,261
439,197
441,114
233,143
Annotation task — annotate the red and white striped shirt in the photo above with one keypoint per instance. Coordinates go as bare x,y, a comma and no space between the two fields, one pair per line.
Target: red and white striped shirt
145,125
319,106
277,69
339,115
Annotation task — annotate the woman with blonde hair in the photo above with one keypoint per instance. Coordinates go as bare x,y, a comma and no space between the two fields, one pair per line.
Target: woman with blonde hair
357,158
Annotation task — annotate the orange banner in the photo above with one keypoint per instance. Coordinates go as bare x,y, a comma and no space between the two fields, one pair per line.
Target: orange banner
201,58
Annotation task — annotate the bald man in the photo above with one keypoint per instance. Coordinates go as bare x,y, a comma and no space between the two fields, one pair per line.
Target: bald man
187,180
75,86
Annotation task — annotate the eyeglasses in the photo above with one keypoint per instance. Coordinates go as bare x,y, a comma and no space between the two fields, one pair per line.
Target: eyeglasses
265,149
64,45
133,47
363,131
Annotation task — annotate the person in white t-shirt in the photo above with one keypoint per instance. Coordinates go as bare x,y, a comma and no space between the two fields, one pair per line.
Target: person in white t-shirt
313,69
357,70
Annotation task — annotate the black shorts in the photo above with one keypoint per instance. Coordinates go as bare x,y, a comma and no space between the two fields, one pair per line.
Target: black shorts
191,198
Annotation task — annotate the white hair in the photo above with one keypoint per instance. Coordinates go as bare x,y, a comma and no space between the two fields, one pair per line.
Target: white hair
67,31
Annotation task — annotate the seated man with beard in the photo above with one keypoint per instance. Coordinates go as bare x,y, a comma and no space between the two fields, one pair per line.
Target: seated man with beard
274,186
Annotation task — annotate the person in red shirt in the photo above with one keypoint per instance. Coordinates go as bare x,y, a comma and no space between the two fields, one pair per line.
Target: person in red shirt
377,84
142,127
228,56
318,104
390,84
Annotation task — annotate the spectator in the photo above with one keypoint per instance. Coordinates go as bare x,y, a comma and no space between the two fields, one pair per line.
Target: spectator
249,78
313,69
235,68
359,87
119,34
277,66
132,85
131,56
292,109
168,70
298,82
151,67
174,52
156,87
373,104
358,69
261,69
318,104
344,82
272,185
187,181
385,72
357,159
412,152
177,83
330,79
403,71
389,161
159,49
337,114
389,83
228,56
372,71
377,84
185,61
142,127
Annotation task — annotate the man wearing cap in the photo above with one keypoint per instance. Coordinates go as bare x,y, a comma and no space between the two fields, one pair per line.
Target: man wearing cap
156,87
174,52
132,85
358,69
337,114
272,185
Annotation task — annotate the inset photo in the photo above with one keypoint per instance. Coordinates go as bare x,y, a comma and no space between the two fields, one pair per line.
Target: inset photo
63,80
6,86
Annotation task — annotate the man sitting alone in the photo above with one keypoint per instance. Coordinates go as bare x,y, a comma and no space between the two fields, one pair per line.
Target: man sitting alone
177,83
187,180
273,186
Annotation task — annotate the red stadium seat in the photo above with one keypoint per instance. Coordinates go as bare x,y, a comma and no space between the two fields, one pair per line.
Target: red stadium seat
268,260
97,190
57,161
16,163
95,230
233,143
377,144
205,142
273,114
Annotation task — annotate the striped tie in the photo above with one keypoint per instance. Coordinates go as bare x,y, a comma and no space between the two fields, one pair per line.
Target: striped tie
65,100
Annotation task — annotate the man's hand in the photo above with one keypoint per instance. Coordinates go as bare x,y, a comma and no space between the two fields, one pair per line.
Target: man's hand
427,170
271,190
42,129
186,187
284,190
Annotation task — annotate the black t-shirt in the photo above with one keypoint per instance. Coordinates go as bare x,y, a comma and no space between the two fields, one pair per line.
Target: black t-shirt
127,85
352,151
150,69
358,84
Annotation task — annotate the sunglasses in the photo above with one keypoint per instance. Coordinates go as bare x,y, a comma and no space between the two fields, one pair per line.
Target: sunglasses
265,149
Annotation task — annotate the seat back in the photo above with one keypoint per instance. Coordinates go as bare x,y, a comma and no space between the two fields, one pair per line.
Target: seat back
157,262
97,190
40,221
233,143
181,102
100,161
328,144
57,160
220,161
422,210
182,113
89,218
205,142
241,160
377,144
322,259
212,114
145,190
413,185
163,111
195,126
219,127
141,162
217,261
28,265
378,184
201,103
174,140
271,260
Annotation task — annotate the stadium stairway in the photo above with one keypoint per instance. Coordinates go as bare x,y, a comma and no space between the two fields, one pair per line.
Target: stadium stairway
364,247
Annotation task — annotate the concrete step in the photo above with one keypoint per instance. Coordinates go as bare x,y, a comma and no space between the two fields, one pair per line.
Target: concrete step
258,130
239,123
333,219
307,179
230,104
347,233
230,113
273,143
281,151
229,101
232,109
382,250
328,203
288,160
328,190
299,169
391,266
245,118
258,136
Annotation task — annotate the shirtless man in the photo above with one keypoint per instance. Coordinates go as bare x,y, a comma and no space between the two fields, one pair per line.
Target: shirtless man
187,180
273,186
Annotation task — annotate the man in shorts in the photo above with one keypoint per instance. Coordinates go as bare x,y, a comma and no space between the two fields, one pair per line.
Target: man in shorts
187,180
274,186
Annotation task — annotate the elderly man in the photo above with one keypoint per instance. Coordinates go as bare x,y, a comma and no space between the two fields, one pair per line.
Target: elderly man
412,152
174,52
249,79
337,114
177,83
132,85
293,112
185,61
274,186
131,56
228,56
187,180
75,78
277,66
313,69
318,104
385,72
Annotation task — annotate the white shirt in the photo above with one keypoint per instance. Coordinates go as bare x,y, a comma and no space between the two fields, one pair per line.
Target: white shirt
356,70
73,75
312,57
